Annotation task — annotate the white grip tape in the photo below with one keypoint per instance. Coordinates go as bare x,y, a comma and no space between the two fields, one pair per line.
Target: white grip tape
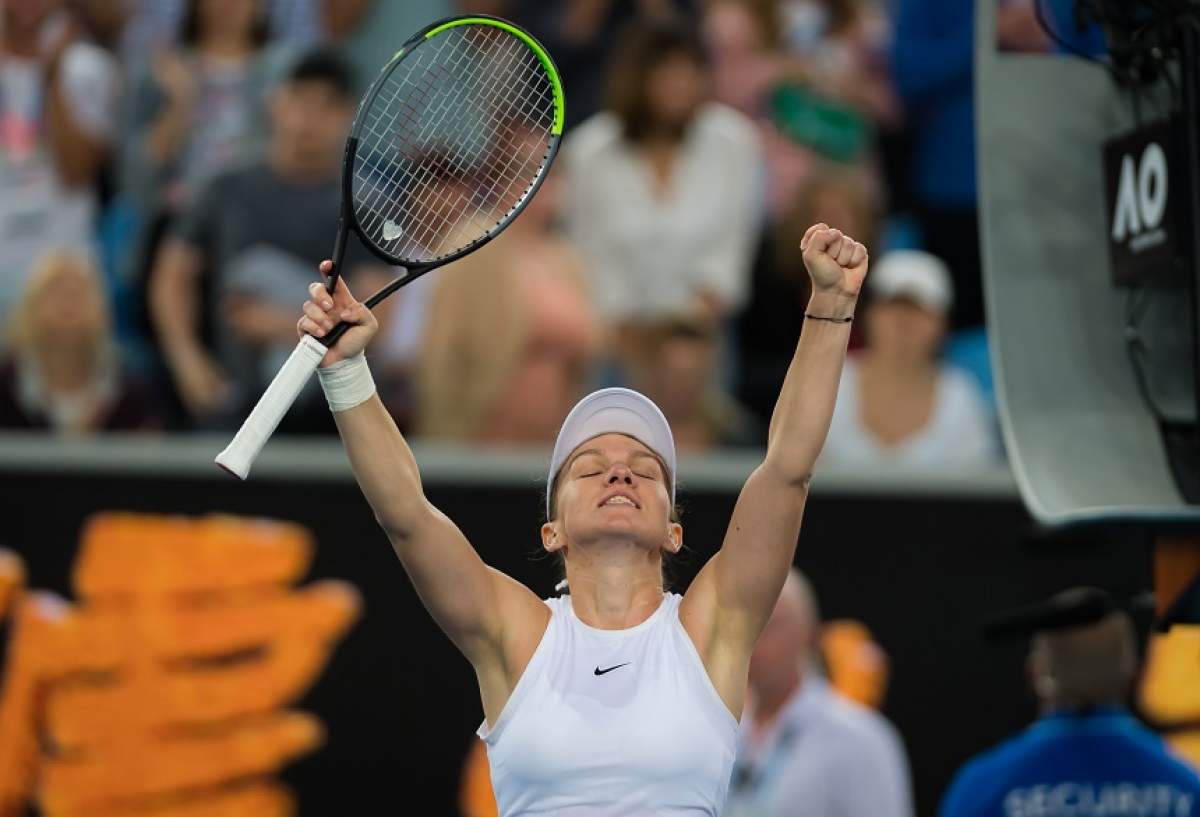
272,406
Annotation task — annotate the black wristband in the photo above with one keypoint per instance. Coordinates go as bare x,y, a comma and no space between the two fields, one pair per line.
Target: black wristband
846,319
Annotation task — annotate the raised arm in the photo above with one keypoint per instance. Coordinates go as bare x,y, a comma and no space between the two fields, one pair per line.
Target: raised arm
482,611
729,602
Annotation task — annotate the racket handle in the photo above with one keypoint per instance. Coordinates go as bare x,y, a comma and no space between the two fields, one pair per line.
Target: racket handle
241,453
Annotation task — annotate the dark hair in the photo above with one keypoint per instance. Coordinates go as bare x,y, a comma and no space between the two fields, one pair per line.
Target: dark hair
803,210
324,65
842,14
642,46
669,560
189,26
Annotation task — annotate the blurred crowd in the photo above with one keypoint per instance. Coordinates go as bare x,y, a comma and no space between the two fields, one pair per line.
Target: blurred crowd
169,180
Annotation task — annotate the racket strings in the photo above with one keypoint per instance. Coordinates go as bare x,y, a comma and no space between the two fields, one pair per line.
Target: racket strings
461,154
453,142
427,223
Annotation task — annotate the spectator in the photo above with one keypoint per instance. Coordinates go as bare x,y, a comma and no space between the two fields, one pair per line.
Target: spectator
769,328
1085,755
58,96
803,748
744,39
511,320
154,24
843,46
673,362
897,403
933,66
63,371
811,75
664,186
580,35
236,260
197,110
368,39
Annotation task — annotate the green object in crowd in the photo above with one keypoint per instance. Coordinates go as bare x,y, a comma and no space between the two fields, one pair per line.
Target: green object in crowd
831,129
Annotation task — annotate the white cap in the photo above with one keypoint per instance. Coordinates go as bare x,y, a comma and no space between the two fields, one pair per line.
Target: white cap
613,411
914,274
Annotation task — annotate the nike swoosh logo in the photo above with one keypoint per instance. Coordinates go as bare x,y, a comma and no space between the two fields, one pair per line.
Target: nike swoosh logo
599,671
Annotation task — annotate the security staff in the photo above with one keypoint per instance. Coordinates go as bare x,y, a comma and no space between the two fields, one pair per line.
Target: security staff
1086,756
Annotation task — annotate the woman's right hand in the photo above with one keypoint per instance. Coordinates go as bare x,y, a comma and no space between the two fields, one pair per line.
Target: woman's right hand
323,311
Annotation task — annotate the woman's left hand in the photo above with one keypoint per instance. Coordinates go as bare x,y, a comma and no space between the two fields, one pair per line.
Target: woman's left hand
836,262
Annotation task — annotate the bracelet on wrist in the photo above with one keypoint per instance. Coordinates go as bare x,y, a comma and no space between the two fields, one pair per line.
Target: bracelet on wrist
846,319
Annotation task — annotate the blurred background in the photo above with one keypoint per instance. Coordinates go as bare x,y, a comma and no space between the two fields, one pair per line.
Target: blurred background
169,180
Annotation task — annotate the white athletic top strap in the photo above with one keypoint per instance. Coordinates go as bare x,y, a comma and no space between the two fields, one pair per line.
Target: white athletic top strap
612,722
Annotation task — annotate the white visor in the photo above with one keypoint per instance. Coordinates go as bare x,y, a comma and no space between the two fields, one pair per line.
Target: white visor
613,411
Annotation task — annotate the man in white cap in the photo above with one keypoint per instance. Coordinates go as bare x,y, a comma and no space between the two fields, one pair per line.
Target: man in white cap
619,698
898,403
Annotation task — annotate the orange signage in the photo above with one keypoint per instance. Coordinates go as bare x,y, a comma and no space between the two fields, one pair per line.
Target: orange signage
163,689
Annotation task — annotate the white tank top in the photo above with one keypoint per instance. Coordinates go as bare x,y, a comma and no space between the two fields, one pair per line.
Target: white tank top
608,723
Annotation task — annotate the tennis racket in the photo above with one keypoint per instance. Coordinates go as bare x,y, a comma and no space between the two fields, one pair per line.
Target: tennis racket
448,145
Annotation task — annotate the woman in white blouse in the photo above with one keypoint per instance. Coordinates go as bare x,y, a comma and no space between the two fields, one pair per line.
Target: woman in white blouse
898,403
664,185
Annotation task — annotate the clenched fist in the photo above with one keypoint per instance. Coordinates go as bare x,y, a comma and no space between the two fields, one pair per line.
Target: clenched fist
836,262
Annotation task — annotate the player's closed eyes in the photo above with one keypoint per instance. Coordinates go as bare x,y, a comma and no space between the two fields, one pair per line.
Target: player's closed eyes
601,473
596,468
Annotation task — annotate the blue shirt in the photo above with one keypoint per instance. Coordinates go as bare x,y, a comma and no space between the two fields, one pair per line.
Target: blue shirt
933,65
1101,765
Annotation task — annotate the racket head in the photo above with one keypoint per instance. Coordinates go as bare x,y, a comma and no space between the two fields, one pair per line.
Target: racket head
452,140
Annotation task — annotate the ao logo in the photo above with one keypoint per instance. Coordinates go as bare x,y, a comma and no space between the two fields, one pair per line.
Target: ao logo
1141,196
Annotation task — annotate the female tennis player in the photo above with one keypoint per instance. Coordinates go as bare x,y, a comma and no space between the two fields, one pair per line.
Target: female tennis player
619,698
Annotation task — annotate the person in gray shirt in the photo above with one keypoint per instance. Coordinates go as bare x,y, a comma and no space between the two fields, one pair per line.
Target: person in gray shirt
803,748
222,292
